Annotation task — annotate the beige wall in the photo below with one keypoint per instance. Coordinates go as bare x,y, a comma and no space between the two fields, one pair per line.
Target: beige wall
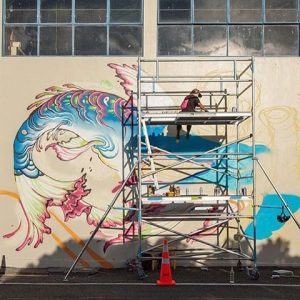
1,26
277,127
22,78
150,28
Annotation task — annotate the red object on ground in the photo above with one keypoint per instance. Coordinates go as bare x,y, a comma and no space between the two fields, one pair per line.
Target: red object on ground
165,269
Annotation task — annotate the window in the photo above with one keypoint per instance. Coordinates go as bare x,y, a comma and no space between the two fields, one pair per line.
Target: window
125,39
281,11
55,40
21,11
175,40
129,13
91,11
90,40
21,40
228,27
210,40
281,39
73,27
210,11
178,11
245,40
245,11
56,11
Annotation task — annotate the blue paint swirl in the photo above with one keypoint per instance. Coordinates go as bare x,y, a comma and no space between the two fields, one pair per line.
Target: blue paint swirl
266,217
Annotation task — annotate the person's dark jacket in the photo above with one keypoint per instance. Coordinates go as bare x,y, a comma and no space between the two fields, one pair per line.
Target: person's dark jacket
192,104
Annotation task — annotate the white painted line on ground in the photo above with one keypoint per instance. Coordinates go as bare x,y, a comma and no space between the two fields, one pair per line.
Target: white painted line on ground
147,284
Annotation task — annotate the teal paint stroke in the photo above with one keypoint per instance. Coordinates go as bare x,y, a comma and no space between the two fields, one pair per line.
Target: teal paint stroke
197,144
266,218
193,145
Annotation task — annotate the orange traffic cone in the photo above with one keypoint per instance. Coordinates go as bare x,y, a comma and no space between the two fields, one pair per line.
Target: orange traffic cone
165,269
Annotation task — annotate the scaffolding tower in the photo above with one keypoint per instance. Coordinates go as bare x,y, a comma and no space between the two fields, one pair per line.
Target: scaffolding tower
200,197
209,213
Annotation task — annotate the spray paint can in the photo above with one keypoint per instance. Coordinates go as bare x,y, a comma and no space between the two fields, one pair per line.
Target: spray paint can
201,191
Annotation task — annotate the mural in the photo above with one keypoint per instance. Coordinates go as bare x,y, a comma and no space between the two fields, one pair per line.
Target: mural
66,124
73,137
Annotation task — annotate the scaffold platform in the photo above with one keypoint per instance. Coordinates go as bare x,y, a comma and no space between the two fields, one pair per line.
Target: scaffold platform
195,118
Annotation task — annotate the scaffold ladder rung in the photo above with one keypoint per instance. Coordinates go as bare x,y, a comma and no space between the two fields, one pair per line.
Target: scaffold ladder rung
149,151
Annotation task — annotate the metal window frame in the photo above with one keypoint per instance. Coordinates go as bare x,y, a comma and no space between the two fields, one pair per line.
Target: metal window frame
228,23
38,24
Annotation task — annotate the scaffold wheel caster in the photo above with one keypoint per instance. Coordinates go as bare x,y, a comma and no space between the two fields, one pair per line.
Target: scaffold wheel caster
147,264
140,271
136,265
252,273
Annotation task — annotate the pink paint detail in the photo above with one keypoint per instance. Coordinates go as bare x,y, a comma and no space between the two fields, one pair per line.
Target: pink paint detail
31,228
76,98
154,208
206,232
120,239
108,223
127,74
111,223
91,221
100,235
102,111
203,232
73,206
127,109
8,235
67,154
131,181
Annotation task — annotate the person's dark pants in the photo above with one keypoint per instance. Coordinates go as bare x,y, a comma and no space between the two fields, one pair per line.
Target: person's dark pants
179,127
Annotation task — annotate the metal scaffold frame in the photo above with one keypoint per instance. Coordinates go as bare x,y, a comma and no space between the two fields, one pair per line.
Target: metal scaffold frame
142,195
219,115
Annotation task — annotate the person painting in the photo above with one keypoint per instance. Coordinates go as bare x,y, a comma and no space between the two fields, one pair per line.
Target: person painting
189,104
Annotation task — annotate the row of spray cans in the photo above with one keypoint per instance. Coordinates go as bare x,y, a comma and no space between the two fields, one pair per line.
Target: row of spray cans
175,191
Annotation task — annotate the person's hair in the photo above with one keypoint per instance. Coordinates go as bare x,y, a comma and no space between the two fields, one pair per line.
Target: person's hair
196,91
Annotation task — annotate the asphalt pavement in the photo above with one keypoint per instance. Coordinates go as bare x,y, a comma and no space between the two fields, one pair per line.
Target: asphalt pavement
191,283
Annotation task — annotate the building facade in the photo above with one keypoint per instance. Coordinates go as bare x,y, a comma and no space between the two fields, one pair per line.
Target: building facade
56,181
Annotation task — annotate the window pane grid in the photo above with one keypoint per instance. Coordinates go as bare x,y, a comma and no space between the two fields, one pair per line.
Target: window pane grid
21,11
58,22
284,11
204,21
173,11
235,28
55,11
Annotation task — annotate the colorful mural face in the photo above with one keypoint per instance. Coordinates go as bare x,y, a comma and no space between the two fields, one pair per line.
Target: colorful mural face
68,156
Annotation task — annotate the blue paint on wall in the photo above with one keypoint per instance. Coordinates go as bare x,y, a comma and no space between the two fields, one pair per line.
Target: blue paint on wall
266,218
194,144
226,163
